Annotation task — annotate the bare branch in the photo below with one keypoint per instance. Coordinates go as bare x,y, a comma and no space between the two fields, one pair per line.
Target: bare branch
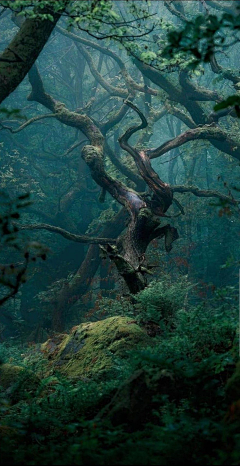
124,169
115,118
123,140
153,116
195,92
120,38
130,83
226,73
204,193
73,147
177,112
92,154
118,91
169,5
219,6
66,234
69,118
208,132
28,122
92,44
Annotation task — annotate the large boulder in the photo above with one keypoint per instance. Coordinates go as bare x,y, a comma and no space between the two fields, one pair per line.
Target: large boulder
95,349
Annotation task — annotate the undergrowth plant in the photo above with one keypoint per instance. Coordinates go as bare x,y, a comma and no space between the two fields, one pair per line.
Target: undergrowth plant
182,386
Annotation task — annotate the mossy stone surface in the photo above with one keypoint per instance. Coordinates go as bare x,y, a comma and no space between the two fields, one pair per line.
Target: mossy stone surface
95,349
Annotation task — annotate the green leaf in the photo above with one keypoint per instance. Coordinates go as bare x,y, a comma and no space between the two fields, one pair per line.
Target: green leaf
232,100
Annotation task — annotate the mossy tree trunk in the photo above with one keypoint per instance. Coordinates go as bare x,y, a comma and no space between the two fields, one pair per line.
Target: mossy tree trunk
18,58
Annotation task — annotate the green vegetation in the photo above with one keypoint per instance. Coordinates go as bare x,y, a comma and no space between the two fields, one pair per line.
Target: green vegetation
183,386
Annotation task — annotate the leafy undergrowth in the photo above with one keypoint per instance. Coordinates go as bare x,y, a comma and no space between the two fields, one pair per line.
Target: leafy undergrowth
174,402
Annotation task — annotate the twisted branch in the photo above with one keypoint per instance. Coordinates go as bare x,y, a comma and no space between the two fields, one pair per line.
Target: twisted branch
206,132
161,190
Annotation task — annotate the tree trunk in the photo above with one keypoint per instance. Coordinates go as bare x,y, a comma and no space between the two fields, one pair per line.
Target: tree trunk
18,58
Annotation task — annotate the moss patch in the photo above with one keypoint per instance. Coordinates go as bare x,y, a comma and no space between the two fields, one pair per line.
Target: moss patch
95,349
17,382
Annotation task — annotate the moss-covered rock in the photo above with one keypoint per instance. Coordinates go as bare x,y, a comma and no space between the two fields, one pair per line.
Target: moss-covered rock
95,349
17,382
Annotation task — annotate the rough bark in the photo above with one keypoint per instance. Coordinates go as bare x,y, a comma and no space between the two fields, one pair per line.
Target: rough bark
18,58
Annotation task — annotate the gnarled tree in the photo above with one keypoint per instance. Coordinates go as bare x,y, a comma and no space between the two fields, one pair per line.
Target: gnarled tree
155,92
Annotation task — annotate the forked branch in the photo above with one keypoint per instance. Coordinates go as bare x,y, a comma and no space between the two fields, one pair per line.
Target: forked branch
162,194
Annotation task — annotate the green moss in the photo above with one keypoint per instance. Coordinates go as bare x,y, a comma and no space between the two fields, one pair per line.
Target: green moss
95,349
9,375
17,382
